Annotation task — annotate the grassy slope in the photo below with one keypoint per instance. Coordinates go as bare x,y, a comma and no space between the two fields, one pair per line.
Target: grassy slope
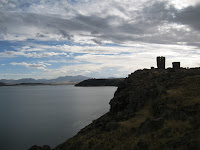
168,119
151,110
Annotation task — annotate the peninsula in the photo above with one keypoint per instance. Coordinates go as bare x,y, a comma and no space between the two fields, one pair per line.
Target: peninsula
101,82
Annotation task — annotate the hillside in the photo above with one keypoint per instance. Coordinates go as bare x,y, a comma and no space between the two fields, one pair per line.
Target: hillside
101,82
151,110
59,80
2,84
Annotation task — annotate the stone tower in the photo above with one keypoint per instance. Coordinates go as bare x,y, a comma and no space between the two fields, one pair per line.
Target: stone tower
161,62
176,65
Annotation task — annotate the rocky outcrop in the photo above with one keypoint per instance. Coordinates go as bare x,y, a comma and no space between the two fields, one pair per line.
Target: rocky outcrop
151,110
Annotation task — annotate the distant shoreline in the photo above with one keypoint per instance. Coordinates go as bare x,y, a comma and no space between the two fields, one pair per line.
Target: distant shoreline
36,84
100,82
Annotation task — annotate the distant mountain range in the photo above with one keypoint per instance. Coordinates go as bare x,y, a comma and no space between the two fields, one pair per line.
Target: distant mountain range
59,80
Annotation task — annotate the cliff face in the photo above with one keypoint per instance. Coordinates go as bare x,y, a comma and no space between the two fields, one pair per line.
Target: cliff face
151,110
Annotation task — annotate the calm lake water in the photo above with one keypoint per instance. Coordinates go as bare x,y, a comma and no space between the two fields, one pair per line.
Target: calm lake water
48,115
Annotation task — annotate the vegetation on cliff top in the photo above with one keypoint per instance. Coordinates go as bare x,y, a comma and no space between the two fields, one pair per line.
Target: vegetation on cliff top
151,110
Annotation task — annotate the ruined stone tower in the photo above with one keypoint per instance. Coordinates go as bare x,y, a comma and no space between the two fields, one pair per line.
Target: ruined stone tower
176,65
161,62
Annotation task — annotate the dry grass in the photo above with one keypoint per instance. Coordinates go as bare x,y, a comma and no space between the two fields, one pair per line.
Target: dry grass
183,96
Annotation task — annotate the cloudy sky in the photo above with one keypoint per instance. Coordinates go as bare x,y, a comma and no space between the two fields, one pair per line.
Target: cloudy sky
95,38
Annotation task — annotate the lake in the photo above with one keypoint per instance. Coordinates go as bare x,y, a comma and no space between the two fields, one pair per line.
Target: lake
48,115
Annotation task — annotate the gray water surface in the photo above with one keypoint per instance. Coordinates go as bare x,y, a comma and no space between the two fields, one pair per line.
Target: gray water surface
48,115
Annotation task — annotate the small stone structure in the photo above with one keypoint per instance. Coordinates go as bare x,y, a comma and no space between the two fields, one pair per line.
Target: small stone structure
161,62
176,65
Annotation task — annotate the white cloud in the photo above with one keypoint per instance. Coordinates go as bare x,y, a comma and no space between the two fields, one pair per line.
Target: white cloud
96,49
41,55
9,74
40,65
105,65
32,54
180,4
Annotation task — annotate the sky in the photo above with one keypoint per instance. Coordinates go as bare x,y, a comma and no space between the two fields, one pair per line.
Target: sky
95,38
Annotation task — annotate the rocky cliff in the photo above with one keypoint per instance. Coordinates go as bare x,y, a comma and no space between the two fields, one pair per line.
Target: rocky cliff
151,110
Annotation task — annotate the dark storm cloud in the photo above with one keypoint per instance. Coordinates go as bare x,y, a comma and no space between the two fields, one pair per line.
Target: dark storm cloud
189,16
158,12
40,35
164,16
154,23
67,35
97,41
94,32
94,21
14,22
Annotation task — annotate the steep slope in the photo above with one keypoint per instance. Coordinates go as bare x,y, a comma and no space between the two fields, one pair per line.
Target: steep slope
151,110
